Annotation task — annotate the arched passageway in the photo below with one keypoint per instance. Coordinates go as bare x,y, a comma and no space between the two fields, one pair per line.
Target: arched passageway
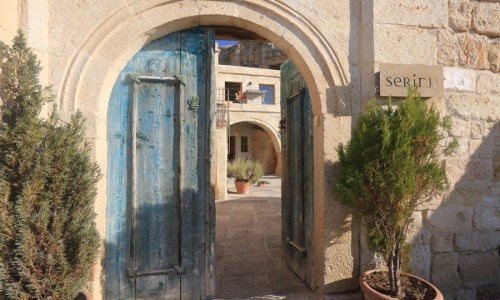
89,76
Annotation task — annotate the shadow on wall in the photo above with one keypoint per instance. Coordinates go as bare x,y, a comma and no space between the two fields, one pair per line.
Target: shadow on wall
343,233
344,236
457,245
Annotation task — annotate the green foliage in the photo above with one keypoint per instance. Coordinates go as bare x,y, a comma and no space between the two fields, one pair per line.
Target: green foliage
245,170
390,166
48,236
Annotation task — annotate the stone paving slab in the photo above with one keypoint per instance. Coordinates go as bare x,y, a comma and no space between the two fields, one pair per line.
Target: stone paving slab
248,247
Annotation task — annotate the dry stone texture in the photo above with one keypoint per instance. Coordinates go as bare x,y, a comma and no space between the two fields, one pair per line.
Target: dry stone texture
486,19
429,14
447,48
459,79
479,268
477,241
489,84
473,51
452,218
460,14
444,271
494,57
473,106
420,263
442,243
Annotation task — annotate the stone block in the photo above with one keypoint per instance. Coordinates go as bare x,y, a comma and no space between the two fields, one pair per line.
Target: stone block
486,20
459,79
481,149
417,234
475,107
467,193
487,216
479,268
460,14
477,241
478,130
447,49
464,170
473,51
420,263
422,50
428,14
452,218
455,169
494,57
442,243
444,271
460,128
488,83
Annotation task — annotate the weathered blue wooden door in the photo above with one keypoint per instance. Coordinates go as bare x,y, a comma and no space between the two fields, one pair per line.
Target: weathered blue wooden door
297,184
159,239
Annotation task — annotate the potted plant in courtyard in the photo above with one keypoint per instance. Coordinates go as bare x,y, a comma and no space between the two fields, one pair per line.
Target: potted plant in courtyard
390,166
244,172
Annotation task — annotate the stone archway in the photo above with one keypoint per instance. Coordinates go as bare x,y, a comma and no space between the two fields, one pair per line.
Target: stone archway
88,77
269,127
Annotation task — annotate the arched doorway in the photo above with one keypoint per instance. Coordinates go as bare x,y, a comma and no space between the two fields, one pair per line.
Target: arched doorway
97,61
253,139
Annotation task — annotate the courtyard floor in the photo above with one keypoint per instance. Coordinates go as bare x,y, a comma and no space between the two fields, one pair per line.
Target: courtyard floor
248,247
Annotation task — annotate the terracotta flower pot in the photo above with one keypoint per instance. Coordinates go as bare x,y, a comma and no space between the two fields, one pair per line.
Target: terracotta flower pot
371,294
242,187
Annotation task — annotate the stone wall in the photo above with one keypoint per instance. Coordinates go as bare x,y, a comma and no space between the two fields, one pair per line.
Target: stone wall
456,238
337,48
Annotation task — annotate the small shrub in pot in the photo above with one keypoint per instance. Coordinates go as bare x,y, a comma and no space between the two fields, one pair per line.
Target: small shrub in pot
390,166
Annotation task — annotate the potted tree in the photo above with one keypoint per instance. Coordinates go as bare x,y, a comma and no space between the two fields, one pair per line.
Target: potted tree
244,172
390,166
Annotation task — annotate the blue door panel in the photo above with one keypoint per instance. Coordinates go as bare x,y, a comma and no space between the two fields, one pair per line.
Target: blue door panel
159,160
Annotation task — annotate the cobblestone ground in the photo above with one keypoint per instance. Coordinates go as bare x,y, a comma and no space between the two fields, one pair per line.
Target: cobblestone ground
248,255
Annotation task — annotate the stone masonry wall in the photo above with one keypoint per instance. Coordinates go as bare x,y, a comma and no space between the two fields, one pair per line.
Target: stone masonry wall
456,238
337,48
465,229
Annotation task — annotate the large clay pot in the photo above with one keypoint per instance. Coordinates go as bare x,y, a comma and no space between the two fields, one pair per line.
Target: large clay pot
242,187
371,294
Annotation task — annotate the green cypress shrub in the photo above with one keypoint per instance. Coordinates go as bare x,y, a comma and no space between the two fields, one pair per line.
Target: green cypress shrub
48,237
390,166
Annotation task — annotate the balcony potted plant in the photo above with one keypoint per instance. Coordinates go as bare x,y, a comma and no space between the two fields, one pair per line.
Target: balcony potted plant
244,172
390,166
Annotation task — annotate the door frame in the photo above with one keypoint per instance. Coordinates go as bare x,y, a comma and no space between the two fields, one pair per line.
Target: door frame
89,75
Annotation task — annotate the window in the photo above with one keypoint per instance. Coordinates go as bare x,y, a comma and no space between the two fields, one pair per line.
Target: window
230,90
244,144
269,93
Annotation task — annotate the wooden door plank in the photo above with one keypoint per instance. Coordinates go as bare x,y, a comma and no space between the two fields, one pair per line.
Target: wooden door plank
195,47
298,181
157,238
118,286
